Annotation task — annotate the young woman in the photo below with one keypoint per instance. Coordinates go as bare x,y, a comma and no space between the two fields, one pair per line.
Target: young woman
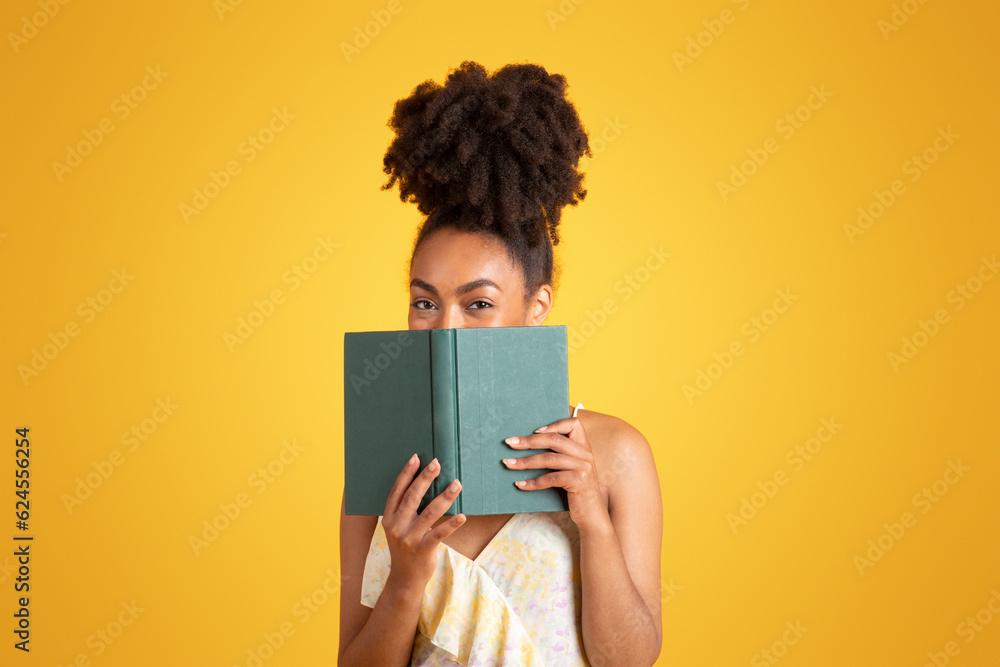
491,160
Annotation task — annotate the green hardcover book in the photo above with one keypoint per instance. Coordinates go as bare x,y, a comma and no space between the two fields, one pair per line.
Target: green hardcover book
454,394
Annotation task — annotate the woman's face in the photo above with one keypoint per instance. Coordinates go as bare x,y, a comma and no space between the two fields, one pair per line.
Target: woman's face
462,280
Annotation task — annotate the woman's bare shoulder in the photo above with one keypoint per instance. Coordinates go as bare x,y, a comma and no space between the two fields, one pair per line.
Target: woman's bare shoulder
621,451
607,431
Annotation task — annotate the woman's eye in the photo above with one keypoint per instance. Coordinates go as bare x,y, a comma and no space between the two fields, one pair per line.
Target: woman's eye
419,304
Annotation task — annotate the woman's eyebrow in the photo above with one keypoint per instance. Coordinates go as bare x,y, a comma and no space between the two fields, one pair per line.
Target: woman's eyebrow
460,290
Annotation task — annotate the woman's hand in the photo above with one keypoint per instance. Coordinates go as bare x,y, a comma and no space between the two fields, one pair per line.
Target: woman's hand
411,540
573,465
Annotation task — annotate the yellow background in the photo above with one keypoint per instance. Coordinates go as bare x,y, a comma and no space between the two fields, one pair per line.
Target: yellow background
669,134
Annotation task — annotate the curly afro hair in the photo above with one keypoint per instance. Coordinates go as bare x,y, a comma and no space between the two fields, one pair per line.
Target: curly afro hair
496,155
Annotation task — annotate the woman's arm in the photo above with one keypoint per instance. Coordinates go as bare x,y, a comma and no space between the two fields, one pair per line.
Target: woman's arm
383,635
618,511
620,558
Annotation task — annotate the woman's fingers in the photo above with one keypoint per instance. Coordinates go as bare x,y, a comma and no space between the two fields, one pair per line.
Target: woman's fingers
438,533
410,502
567,426
553,441
408,491
437,507
570,480
400,485
412,540
546,460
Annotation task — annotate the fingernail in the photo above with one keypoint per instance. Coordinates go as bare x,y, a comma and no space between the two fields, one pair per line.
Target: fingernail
509,462
521,483
453,487
540,429
412,460
513,440
433,465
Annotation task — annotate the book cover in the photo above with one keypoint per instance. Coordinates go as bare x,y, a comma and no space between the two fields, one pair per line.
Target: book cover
454,394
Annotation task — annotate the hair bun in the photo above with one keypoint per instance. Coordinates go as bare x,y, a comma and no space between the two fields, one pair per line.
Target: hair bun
496,152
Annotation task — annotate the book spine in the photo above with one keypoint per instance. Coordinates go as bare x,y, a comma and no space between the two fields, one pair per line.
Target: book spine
444,401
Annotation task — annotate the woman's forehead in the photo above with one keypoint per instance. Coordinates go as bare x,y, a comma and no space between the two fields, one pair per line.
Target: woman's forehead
455,259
